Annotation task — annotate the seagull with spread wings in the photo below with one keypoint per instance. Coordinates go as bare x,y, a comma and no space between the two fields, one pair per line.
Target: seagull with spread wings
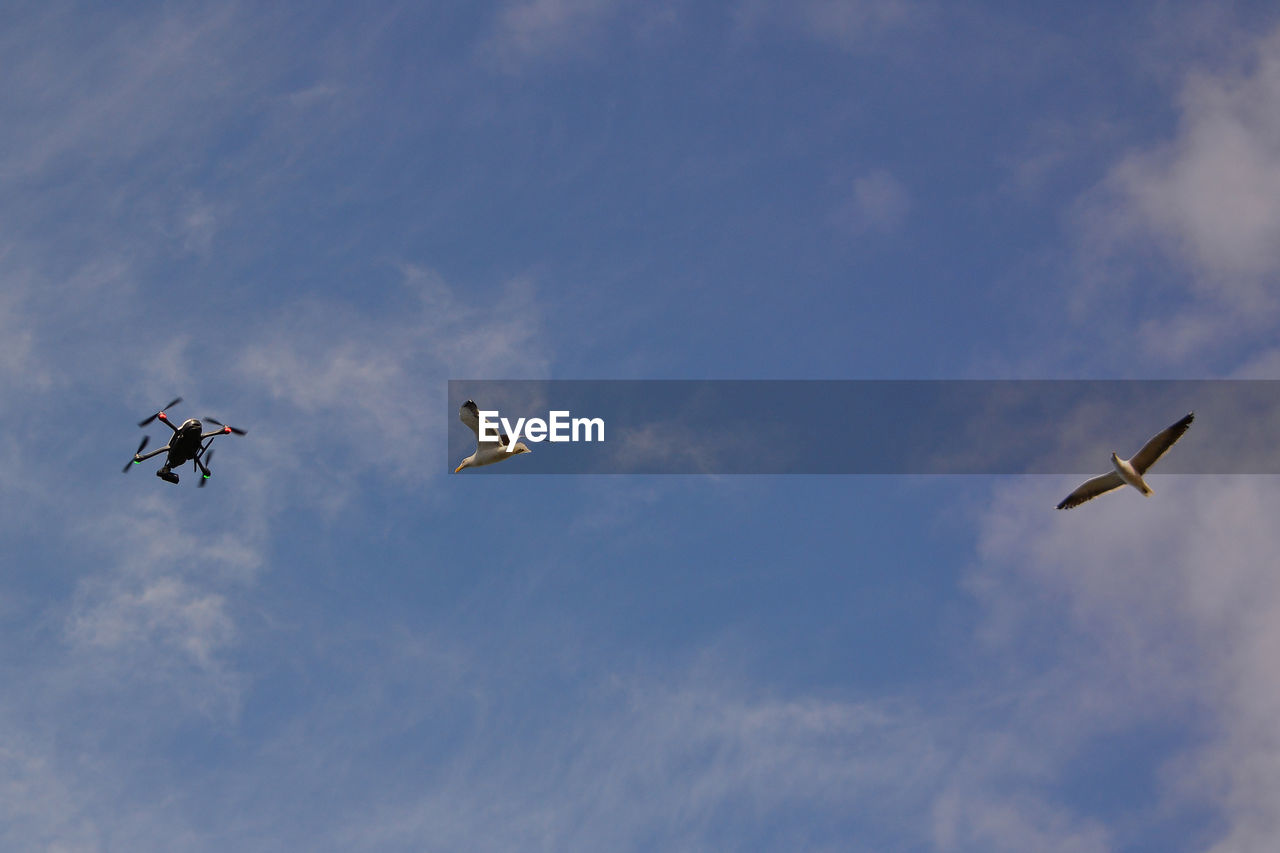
1129,470
487,452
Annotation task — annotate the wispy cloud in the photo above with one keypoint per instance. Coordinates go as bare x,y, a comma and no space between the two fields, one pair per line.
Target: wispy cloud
120,87
695,758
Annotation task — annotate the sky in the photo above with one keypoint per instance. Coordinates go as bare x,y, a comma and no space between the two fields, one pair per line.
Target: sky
305,219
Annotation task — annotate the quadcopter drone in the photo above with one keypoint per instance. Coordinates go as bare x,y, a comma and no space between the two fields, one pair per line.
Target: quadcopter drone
187,444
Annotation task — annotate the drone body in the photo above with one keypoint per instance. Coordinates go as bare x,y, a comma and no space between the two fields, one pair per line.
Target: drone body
189,443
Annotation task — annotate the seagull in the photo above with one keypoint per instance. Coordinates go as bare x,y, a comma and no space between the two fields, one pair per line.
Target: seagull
1129,470
487,452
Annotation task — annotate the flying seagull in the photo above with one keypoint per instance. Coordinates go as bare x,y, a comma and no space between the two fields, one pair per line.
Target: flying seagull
1129,470
487,452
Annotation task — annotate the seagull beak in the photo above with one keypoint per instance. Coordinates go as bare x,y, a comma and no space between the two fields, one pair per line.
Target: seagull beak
456,470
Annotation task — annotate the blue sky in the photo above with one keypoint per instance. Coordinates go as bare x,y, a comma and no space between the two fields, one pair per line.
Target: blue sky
306,219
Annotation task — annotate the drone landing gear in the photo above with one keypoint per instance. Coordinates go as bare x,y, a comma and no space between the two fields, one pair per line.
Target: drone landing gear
167,475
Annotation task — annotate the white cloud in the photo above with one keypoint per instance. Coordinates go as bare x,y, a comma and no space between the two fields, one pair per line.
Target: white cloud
18,364
849,23
673,763
695,763
38,810
1265,365
161,614
527,30
846,24
131,641
964,819
373,382
197,223
1206,202
1214,192
880,203
195,622
1161,610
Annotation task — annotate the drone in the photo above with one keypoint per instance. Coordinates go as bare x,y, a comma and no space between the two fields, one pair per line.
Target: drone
188,443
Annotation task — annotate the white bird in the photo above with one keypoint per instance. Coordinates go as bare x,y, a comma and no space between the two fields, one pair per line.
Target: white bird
487,452
1129,470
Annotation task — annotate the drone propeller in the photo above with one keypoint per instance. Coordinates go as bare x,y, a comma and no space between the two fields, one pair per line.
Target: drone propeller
171,404
217,422
205,473
141,445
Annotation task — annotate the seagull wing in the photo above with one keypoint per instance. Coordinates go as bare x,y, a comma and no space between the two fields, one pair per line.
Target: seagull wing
1159,443
1099,485
469,414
